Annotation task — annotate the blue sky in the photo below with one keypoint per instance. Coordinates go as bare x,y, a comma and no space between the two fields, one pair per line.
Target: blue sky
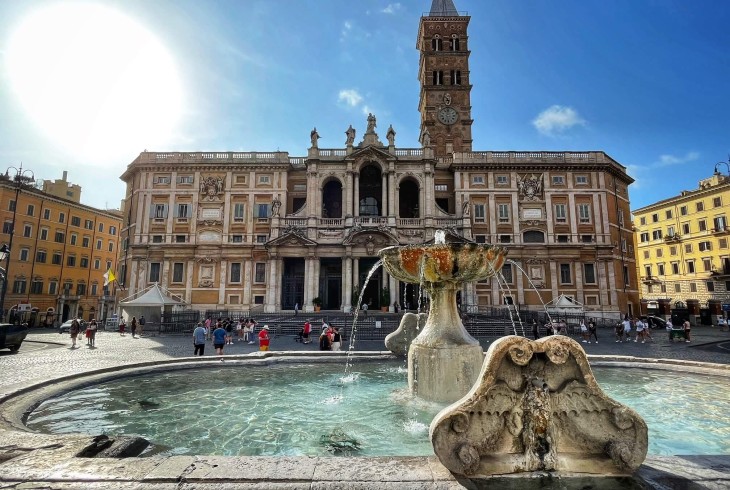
86,86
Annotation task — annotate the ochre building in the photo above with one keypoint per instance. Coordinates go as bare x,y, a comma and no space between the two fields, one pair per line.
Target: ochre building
266,230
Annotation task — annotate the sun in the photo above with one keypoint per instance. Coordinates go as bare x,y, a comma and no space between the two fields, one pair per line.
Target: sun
94,80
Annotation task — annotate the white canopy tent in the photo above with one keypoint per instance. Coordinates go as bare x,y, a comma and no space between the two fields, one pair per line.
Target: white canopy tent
151,302
564,305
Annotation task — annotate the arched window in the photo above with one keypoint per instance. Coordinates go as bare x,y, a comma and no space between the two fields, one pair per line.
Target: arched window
533,236
455,43
436,43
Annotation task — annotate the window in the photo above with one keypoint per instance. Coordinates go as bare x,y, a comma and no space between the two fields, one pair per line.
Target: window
36,287
455,77
44,233
702,224
8,227
24,254
180,239
656,234
659,252
642,220
99,244
75,221
436,44
716,202
660,269
154,272
477,179
52,287
668,214
647,271
162,180
260,272
84,263
581,180
19,286
235,275
700,206
626,275
675,268
505,238
238,211
507,273
560,213
46,214
692,287
563,238
85,242
40,256
706,265
479,214
480,238
673,250
74,238
160,211
111,246
533,236
558,180
705,246
441,187
94,289
587,238
683,210
685,228
155,239
677,288
710,286
81,289
264,179
621,217
260,238
565,276
262,211
27,231
719,223
56,259
241,179
589,274
644,237
722,243
504,213
97,264
60,237
584,213
31,210
11,205
237,239
101,227
112,230
454,43
690,267
185,179
646,254
71,261
688,247
177,272
67,288
502,180
183,211
88,224
258,299
438,77
671,231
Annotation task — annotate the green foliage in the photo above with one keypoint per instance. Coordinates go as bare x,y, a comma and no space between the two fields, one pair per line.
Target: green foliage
317,301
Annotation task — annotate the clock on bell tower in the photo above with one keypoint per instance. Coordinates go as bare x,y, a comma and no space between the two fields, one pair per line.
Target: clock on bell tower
445,101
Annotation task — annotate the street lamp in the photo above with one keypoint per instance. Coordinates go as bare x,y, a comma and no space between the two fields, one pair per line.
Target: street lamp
20,177
727,164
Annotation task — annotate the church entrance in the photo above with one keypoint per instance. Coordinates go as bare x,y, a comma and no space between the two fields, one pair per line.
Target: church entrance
330,283
371,296
292,283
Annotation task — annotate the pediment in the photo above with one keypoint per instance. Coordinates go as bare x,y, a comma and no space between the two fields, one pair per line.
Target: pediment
372,240
291,239
371,152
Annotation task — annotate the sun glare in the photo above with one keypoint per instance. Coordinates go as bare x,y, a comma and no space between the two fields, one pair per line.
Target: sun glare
94,80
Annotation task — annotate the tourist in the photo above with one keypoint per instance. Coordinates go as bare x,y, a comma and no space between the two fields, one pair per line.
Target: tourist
669,328
74,331
687,329
535,330
325,326
219,338
592,330
122,326
264,338
199,335
584,331
306,332
296,308
239,329
229,331
208,329
365,309
336,339
619,332
627,329
91,333
549,328
251,330
140,326
639,330
134,327
324,341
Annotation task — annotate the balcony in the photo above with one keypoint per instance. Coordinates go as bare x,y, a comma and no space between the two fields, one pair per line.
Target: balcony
650,280
672,238
721,230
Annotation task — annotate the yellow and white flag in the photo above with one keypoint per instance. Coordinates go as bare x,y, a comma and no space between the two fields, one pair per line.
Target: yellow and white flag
109,277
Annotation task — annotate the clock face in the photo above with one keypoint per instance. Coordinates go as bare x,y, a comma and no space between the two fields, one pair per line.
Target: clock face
448,115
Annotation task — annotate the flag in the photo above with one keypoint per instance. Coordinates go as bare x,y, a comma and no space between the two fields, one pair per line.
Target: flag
109,277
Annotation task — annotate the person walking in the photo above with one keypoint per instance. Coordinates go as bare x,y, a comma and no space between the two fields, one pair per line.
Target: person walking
535,330
73,331
584,331
627,329
252,330
264,338
324,341
208,328
687,330
239,329
140,326
592,330
669,328
336,339
219,339
307,331
122,326
91,333
639,330
296,308
134,327
199,340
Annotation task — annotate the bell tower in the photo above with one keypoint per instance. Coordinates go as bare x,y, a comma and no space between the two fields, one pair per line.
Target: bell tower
445,101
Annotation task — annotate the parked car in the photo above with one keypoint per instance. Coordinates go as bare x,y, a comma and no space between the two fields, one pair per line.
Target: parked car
655,322
11,336
66,326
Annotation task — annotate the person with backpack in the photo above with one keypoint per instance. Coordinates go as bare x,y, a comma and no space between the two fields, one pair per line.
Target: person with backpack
74,331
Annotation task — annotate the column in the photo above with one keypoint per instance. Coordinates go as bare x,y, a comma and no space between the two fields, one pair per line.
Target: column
356,273
602,282
392,284
189,269
247,281
391,194
271,291
384,194
579,282
349,193
222,275
356,193
317,265
347,275
308,296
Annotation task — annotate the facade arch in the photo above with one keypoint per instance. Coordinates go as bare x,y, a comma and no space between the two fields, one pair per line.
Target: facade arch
409,198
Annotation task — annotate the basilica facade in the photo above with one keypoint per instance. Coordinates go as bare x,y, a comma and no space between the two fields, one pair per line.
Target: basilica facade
248,230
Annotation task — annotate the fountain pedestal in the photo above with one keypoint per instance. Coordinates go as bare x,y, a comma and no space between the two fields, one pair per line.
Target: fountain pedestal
444,361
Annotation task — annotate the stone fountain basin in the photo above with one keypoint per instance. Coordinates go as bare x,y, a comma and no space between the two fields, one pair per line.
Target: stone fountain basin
450,262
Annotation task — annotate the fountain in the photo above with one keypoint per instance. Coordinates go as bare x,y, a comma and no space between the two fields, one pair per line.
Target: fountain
443,360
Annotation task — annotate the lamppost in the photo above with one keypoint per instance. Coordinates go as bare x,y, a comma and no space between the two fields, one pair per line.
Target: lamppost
20,177
727,164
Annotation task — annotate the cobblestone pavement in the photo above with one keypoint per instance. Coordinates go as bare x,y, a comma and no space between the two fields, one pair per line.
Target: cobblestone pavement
46,353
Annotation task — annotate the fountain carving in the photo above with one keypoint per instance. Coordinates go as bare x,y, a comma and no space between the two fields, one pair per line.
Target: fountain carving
399,342
443,360
537,407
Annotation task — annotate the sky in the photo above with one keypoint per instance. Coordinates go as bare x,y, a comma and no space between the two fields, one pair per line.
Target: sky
86,86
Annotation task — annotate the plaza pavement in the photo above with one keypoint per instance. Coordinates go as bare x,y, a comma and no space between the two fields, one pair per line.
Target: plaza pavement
41,461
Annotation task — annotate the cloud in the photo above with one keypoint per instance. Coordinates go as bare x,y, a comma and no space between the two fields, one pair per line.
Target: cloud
391,8
669,160
557,119
350,96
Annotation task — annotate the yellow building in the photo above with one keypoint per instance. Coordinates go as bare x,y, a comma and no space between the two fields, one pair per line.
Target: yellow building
59,251
682,249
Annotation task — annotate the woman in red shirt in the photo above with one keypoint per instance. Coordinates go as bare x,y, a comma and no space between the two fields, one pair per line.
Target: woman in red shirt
264,338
